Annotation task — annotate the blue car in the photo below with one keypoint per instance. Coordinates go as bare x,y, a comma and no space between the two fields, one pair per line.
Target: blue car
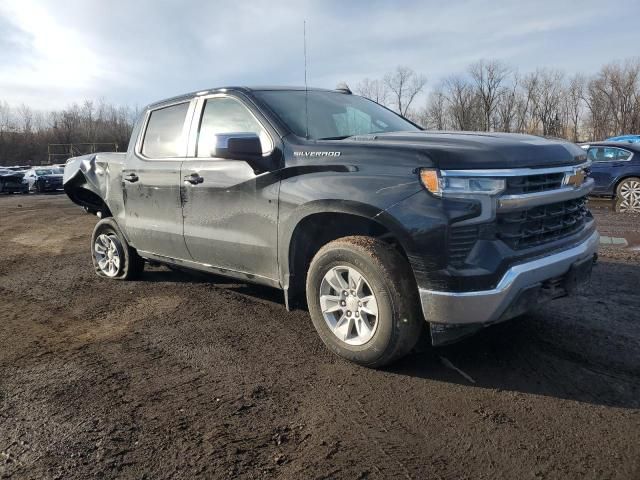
616,172
625,138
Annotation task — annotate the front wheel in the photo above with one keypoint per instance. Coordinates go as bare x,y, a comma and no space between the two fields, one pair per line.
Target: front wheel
363,301
112,256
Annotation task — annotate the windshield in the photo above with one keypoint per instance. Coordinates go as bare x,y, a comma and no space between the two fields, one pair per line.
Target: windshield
43,172
332,115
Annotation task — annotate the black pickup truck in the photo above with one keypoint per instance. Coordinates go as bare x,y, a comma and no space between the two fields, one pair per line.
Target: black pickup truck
387,229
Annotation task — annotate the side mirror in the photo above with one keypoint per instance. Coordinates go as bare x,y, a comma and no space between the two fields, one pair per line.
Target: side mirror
238,146
243,146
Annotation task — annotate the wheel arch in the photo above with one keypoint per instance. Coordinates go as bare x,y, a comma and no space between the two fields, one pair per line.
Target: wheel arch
79,191
322,223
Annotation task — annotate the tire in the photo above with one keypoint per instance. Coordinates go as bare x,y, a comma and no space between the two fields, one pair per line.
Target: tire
628,193
387,277
112,256
39,187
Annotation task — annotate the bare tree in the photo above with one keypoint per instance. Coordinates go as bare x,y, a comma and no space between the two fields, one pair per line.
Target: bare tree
25,133
507,106
404,85
600,118
526,118
5,117
461,102
375,90
548,100
488,77
619,84
434,115
25,119
575,94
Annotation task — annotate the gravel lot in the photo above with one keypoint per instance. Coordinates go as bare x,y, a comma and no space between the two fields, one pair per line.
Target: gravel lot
179,376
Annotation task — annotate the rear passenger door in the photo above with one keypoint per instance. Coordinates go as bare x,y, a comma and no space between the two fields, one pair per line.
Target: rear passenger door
151,182
230,213
608,164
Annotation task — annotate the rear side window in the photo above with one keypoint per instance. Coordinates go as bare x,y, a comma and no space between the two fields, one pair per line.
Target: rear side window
163,138
608,154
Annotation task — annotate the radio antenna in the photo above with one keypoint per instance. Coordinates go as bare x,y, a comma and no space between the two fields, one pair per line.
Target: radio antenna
306,88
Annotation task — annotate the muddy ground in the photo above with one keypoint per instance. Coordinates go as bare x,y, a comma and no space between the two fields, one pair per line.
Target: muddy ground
180,376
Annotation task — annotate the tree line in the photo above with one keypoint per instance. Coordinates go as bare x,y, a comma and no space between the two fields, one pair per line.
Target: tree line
25,133
490,95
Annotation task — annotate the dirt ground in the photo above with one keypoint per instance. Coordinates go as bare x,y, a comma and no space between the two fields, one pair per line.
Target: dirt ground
181,376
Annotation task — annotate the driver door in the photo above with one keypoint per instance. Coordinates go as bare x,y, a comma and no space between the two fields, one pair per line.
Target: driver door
230,212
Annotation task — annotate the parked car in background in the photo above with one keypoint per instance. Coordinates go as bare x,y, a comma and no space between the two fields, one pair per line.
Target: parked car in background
12,182
44,179
625,138
616,171
18,168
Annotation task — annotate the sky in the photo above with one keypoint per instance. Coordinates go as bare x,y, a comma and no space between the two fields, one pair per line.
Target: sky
133,52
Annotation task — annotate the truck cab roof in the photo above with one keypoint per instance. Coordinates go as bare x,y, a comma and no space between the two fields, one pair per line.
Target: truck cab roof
240,89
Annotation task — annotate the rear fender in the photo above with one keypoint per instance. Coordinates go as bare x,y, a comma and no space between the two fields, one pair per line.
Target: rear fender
94,182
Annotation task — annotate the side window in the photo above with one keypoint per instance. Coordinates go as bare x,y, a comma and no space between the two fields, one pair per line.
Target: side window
163,137
595,153
621,154
608,154
227,115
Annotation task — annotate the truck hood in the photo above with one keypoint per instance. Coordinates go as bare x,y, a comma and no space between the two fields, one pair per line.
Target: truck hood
471,150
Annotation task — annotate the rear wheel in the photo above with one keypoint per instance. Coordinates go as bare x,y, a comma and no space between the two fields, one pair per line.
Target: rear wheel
112,256
363,301
628,193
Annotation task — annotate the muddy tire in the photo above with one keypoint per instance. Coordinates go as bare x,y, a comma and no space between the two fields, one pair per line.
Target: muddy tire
111,254
363,301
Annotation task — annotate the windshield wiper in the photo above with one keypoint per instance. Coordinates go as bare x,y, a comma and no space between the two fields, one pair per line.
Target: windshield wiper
342,137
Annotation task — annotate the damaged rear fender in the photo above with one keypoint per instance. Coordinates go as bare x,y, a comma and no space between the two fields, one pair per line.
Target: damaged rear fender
94,182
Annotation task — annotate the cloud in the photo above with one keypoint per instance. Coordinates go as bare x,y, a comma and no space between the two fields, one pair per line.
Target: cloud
54,52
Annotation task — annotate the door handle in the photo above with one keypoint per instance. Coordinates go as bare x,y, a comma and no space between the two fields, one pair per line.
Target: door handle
193,179
132,177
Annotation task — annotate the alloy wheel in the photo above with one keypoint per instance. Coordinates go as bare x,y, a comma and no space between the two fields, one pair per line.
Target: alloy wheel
107,253
348,305
630,196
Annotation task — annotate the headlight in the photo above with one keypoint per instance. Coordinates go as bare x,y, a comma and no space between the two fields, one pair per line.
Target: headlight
439,184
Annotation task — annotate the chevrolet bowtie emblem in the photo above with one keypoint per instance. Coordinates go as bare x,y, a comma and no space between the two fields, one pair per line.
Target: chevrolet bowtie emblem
576,179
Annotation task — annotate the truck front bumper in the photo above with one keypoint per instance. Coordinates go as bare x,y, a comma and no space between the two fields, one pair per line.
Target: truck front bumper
521,287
